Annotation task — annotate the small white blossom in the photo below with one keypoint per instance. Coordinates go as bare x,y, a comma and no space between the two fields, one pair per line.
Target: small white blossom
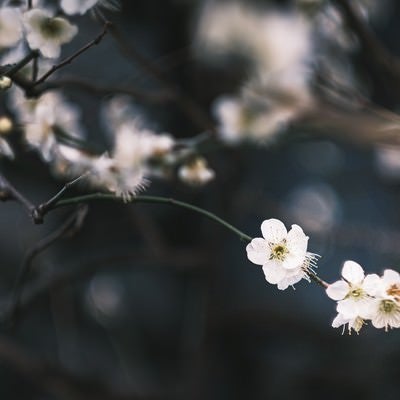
10,26
47,33
196,172
355,323
385,309
354,291
282,254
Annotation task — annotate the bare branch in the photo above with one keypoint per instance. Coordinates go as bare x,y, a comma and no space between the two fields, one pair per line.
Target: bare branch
71,58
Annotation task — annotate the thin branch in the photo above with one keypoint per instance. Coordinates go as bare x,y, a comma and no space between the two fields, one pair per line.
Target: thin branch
19,65
43,208
159,96
154,200
68,228
375,53
9,192
71,58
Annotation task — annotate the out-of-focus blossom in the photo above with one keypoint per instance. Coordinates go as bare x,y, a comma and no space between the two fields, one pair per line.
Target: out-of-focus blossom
81,6
387,161
280,48
125,182
45,118
6,125
196,172
10,26
46,32
282,254
5,82
5,149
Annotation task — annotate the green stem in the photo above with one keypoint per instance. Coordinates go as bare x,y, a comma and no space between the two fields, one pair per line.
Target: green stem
152,199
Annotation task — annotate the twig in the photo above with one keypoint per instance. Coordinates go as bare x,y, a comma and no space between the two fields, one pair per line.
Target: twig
375,53
9,192
71,58
68,228
19,65
43,208
151,199
160,96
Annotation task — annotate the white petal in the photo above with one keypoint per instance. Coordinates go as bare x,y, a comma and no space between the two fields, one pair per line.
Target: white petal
352,272
258,251
297,240
273,272
339,321
293,261
372,284
348,308
337,290
289,281
390,277
273,230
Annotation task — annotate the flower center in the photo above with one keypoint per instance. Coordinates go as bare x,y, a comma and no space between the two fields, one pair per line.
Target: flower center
387,306
279,252
356,293
394,291
51,28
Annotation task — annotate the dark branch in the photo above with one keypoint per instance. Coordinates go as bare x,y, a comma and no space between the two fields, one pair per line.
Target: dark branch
71,58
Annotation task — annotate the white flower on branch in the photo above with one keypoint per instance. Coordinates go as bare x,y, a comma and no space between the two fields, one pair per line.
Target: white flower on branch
353,294
385,308
10,26
282,254
72,7
46,32
196,172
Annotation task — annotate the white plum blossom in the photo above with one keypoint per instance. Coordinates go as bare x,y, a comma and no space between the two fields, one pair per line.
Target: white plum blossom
282,254
196,172
354,291
385,308
46,32
10,26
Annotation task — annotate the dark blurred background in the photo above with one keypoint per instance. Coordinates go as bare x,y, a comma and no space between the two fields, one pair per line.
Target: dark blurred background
160,302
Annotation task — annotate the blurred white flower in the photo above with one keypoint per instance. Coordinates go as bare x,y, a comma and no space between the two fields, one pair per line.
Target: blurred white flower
5,149
81,6
10,26
196,172
45,118
280,49
5,83
46,32
282,254
6,125
125,182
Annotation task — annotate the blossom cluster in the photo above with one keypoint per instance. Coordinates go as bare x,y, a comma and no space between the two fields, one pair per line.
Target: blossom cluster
363,297
360,298
52,126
